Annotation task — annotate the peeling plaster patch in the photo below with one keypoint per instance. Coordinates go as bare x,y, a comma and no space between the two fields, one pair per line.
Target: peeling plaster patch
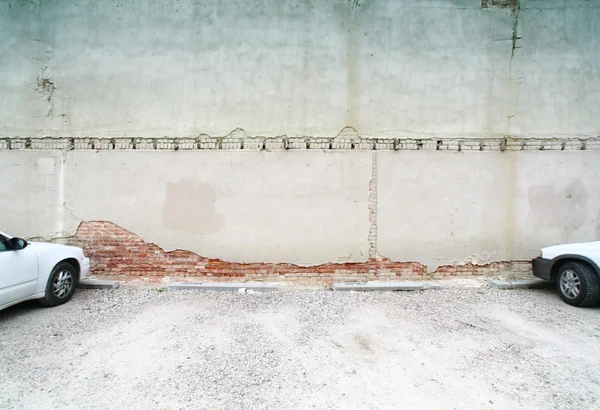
190,207
505,4
477,259
237,133
348,133
116,251
46,86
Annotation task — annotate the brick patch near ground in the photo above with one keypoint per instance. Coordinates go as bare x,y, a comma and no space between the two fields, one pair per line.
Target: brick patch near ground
116,251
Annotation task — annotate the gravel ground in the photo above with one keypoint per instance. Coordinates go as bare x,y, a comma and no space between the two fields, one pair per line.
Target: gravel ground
452,348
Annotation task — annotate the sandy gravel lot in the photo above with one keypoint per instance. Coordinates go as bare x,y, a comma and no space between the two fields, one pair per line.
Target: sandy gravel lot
453,348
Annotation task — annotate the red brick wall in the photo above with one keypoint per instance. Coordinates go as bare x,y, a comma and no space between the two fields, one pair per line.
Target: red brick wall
116,251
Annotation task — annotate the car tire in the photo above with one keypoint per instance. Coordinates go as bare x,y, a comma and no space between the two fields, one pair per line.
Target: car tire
61,285
578,285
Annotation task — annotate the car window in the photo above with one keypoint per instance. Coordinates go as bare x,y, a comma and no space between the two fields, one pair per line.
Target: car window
3,243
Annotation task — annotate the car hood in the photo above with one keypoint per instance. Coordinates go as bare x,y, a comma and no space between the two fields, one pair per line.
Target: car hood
46,246
571,248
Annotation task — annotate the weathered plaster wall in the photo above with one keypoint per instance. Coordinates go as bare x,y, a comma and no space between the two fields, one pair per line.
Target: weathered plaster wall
556,71
238,206
385,67
32,192
485,206
522,85
312,207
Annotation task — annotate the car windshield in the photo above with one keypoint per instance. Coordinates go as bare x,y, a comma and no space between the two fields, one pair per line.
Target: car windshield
3,242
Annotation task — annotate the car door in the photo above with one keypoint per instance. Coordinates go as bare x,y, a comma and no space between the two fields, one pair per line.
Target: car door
18,272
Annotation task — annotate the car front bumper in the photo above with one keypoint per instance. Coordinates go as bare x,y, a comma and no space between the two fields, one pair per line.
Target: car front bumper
542,268
84,268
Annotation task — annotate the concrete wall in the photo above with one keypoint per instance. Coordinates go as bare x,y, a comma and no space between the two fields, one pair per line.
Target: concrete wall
422,75
483,207
313,207
297,67
237,206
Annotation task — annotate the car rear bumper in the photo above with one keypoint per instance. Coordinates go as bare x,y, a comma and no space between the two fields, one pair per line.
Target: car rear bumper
84,270
542,268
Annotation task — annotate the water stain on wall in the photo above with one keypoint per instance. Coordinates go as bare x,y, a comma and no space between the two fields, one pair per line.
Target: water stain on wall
190,207
564,209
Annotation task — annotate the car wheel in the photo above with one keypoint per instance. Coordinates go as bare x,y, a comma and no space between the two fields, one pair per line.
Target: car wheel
61,285
578,285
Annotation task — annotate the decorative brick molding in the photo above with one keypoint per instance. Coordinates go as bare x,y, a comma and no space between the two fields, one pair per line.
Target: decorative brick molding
116,251
345,141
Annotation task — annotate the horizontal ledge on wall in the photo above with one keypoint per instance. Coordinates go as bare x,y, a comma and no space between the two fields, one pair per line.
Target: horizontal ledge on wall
205,143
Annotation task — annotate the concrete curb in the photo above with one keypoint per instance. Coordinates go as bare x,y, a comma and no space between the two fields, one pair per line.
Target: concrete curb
389,286
98,284
522,284
225,287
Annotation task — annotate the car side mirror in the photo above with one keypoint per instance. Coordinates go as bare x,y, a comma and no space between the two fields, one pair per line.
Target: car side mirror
16,244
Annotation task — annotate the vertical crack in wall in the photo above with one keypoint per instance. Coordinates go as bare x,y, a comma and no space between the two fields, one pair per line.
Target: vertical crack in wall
516,9
513,83
372,201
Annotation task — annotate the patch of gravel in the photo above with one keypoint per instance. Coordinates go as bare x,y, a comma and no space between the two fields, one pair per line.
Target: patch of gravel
149,348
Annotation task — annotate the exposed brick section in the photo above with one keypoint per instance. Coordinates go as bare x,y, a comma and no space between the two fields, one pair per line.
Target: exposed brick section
51,143
490,269
104,144
116,251
124,143
319,143
19,143
83,143
297,143
348,139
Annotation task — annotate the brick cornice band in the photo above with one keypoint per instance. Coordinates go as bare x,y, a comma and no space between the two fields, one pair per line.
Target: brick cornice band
339,143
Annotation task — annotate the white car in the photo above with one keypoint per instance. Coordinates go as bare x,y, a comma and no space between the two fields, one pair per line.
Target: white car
45,271
575,268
